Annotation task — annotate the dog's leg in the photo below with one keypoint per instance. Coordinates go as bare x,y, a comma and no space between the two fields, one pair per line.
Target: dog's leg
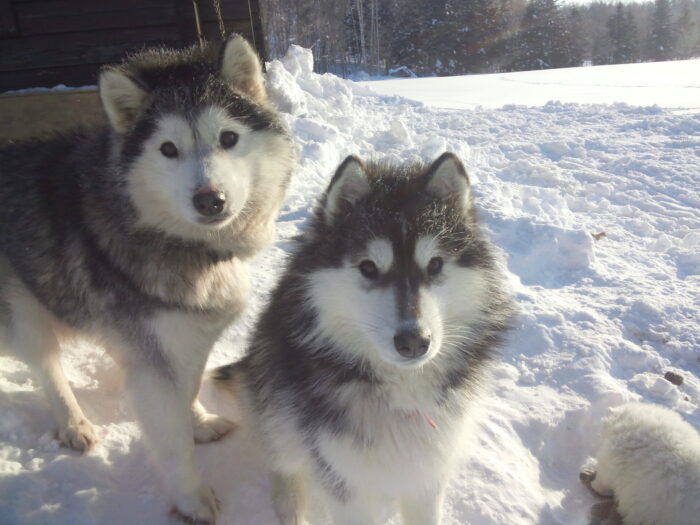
31,336
350,512
422,509
288,497
162,406
164,386
596,476
600,485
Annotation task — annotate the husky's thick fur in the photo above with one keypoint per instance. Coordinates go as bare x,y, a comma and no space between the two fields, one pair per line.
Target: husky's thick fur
137,235
649,460
362,369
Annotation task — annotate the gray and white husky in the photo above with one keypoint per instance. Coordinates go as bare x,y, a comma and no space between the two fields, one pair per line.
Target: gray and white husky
361,372
137,235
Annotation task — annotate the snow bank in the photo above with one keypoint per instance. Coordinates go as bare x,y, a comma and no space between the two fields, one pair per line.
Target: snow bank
59,87
600,321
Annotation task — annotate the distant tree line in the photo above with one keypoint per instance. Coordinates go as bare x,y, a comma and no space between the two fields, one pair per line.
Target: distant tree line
451,37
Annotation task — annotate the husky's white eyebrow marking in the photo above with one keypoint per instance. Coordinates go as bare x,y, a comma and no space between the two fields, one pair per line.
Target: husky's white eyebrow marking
382,253
426,249
176,129
212,120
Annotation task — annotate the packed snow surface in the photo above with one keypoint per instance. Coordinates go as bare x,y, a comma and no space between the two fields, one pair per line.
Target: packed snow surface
665,84
600,323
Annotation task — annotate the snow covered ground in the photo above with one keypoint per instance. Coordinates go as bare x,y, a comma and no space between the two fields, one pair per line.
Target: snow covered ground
665,84
600,321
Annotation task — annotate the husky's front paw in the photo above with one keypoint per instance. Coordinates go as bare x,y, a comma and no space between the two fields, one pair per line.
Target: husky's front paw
199,508
601,488
209,427
79,436
587,475
593,481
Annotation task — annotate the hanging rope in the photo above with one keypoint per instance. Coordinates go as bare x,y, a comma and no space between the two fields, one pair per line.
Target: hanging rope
197,23
217,8
252,28
216,4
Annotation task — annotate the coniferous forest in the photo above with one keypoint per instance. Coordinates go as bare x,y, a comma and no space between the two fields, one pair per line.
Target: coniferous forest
453,37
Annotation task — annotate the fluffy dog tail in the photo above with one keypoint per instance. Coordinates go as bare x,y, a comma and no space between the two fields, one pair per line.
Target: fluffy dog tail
223,376
222,373
226,387
226,377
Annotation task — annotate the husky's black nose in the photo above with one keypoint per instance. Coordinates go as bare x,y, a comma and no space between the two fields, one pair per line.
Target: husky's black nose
411,343
209,203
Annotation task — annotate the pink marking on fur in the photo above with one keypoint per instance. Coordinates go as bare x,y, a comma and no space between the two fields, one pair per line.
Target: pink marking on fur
418,413
430,421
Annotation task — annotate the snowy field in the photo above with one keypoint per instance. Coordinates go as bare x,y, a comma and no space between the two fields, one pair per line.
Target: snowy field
601,321
666,84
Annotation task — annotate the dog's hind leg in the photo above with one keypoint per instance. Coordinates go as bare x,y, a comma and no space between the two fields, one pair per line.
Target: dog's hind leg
31,337
350,512
423,508
289,499
208,427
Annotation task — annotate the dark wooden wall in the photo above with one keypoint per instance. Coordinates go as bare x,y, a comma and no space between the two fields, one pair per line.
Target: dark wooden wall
50,42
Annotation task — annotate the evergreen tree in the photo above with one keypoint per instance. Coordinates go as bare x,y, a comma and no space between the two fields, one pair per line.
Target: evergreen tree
412,45
544,40
688,41
578,41
632,37
623,36
477,26
602,51
451,37
505,45
447,37
661,39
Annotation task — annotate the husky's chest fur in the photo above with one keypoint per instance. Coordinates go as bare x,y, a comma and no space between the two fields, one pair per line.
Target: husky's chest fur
395,434
175,274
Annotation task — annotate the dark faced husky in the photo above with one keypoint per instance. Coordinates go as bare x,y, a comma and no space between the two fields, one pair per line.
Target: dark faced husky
361,372
137,235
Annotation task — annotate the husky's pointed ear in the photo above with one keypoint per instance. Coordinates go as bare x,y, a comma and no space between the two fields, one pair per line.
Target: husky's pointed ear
447,178
240,67
349,184
122,98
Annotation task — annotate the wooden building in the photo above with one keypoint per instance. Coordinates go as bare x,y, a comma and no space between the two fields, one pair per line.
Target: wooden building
50,42
44,43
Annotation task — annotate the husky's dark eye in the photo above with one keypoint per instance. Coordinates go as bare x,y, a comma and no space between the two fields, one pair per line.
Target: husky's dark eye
228,139
369,269
434,266
168,149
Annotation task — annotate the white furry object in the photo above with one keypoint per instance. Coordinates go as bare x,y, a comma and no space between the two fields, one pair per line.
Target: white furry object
649,459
